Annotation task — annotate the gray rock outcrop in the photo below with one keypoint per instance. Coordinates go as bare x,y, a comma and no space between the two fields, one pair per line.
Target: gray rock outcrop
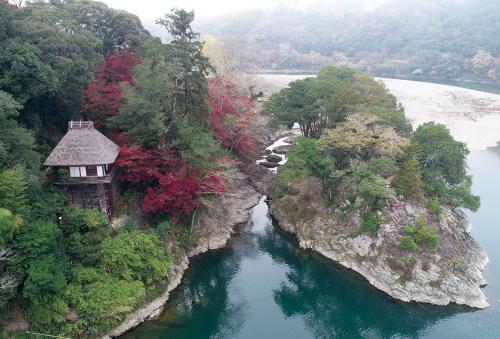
452,273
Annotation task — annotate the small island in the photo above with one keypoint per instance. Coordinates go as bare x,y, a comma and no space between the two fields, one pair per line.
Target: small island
363,189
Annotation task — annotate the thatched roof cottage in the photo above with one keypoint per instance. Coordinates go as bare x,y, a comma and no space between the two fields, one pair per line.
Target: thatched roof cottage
83,161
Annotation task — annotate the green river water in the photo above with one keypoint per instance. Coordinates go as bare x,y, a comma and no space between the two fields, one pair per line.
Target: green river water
263,286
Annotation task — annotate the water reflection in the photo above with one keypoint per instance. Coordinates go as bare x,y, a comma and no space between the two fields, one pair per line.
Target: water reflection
335,302
264,286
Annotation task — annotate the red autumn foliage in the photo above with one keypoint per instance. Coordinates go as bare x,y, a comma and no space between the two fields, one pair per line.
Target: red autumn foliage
214,182
177,192
122,138
103,96
146,166
232,115
171,186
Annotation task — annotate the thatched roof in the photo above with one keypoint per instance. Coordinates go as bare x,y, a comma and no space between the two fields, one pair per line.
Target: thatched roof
83,145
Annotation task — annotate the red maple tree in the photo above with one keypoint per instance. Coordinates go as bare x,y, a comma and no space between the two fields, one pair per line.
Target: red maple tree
170,185
232,116
104,95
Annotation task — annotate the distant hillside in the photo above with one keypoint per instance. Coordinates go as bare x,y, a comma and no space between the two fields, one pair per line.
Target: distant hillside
447,39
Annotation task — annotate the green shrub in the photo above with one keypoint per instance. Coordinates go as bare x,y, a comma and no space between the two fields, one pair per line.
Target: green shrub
407,243
370,222
410,229
8,226
164,228
100,300
409,261
424,234
435,207
428,235
344,215
129,225
372,189
383,166
186,239
135,256
304,158
94,218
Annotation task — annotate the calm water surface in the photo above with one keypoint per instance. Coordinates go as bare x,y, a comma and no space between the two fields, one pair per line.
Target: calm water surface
263,286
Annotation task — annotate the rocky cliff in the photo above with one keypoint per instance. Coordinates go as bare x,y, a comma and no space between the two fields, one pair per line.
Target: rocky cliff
450,273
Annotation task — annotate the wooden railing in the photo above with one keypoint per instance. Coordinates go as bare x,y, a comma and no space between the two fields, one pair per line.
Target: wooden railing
106,179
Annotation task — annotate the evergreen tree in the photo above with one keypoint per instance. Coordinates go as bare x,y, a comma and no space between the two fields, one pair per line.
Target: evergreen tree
188,50
13,190
409,179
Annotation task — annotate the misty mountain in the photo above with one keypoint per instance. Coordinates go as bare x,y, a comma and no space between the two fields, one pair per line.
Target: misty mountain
447,39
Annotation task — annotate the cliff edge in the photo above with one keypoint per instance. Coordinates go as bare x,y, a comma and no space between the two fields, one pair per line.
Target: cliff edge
449,273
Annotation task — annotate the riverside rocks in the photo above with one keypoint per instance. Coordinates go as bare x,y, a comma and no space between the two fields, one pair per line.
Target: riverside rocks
269,164
282,149
274,158
451,274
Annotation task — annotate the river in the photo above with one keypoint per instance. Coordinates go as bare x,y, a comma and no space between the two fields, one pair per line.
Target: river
263,286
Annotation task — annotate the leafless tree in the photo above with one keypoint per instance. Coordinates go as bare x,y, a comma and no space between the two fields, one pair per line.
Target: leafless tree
6,254
7,282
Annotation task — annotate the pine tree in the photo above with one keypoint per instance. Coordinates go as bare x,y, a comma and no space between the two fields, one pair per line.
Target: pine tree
409,179
186,48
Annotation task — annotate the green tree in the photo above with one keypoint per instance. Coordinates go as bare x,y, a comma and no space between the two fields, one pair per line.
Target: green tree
44,288
409,179
445,167
441,154
296,104
24,74
168,101
150,107
186,48
8,225
35,240
361,137
16,143
461,195
13,190
325,101
343,101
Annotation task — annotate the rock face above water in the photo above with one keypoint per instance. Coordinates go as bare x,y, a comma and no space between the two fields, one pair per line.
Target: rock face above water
450,274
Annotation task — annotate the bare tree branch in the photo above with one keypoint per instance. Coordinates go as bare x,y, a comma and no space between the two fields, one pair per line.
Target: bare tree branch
6,254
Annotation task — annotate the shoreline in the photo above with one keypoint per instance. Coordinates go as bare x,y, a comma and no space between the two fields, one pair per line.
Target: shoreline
237,211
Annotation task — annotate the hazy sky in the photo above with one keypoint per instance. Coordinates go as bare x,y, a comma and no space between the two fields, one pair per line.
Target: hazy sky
149,9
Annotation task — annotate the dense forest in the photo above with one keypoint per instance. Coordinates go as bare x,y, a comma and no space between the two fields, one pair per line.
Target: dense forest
412,39
63,270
